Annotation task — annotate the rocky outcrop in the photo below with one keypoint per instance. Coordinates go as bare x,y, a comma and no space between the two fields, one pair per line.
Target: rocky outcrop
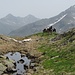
2,68
6,65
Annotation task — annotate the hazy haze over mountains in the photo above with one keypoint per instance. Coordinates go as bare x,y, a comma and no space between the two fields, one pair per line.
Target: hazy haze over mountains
62,22
10,22
39,8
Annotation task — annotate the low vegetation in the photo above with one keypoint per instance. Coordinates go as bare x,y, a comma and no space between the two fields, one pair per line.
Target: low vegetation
57,51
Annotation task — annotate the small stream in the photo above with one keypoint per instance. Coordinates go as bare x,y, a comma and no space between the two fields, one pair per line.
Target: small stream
20,61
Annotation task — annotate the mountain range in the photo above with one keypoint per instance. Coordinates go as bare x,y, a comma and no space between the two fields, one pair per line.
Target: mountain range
10,22
62,22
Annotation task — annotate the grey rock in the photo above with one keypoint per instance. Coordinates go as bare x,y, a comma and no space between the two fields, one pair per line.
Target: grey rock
2,68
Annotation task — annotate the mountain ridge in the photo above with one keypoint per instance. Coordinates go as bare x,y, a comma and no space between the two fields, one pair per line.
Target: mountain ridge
10,22
60,22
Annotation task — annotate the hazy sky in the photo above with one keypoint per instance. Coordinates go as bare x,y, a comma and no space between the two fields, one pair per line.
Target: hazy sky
38,8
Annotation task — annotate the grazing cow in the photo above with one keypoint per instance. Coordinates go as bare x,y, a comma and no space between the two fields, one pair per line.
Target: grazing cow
54,30
49,30
45,30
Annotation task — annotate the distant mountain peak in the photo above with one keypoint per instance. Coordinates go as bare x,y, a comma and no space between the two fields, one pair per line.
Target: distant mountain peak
73,6
30,16
71,9
62,22
9,15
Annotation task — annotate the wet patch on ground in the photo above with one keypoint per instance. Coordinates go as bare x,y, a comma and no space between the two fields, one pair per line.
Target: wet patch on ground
22,63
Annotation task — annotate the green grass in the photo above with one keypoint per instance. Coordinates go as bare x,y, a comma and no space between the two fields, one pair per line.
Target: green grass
59,56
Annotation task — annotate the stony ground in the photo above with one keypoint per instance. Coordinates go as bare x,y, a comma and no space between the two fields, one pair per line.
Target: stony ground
29,47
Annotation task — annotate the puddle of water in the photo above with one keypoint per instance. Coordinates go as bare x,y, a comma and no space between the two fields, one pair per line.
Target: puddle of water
20,62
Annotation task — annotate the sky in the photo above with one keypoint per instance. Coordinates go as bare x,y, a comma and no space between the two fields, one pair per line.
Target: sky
38,8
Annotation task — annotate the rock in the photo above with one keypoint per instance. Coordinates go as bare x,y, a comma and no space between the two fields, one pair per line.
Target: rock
9,64
28,55
2,68
23,55
25,67
14,70
31,56
11,70
34,60
6,64
3,57
15,64
32,65
34,69
30,71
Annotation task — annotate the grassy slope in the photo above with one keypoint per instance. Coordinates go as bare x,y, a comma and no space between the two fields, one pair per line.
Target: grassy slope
59,53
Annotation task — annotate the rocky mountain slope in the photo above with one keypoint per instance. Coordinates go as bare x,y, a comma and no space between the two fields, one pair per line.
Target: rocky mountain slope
62,22
10,22
67,21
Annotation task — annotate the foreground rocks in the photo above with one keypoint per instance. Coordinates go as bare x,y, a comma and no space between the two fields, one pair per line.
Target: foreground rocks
2,68
6,65
28,49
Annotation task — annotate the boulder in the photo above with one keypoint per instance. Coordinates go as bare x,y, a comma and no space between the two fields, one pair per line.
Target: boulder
23,55
3,57
6,65
2,68
32,65
10,65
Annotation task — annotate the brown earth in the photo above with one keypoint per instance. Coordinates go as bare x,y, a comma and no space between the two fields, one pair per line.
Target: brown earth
7,45
31,47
